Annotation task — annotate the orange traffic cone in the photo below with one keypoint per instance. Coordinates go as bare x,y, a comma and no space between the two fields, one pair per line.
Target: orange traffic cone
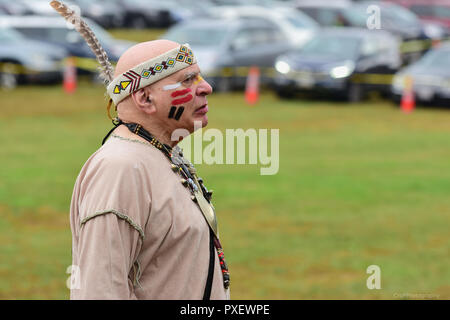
252,86
408,102
70,76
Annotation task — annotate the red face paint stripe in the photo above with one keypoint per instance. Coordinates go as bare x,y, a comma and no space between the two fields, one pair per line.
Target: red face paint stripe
181,92
182,100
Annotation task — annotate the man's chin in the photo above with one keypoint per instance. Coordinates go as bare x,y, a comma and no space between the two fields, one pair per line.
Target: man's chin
201,122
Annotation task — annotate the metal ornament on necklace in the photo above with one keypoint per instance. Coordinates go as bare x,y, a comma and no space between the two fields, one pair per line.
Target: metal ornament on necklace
200,194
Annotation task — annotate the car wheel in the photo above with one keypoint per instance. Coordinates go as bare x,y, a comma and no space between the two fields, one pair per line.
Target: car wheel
396,98
9,75
355,93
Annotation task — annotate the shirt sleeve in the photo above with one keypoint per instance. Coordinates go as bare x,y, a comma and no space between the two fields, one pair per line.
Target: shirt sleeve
107,248
114,205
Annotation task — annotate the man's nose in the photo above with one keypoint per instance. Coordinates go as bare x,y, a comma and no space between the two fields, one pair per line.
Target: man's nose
204,88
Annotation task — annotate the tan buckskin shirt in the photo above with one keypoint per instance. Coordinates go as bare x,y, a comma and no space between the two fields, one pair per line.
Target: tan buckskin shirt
136,233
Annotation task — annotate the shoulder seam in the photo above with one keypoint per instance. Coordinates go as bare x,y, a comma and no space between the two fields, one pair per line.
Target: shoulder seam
119,215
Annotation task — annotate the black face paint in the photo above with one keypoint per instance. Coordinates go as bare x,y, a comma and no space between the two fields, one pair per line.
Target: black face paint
172,112
178,114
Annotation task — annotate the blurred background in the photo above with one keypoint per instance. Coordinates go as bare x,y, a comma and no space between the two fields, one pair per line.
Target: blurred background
360,91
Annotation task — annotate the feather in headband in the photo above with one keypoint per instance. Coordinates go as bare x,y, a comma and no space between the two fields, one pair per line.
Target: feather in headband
107,70
136,78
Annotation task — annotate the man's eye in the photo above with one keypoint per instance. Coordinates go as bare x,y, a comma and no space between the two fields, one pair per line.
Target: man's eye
190,80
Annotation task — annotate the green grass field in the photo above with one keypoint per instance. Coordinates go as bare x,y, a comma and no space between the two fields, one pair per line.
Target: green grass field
358,185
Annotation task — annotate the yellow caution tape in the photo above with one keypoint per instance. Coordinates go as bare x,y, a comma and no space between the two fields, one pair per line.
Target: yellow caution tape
14,68
372,78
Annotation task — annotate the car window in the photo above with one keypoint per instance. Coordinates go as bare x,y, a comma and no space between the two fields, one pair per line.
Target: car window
328,17
438,58
356,16
274,35
332,45
311,12
301,20
442,12
198,35
399,16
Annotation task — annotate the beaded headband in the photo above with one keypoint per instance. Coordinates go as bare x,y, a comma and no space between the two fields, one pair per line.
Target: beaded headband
149,72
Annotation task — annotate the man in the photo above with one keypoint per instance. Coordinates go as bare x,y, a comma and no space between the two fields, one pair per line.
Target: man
142,223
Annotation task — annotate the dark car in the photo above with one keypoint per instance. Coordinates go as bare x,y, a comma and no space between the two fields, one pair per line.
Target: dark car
227,48
393,18
347,62
55,31
23,60
430,78
141,14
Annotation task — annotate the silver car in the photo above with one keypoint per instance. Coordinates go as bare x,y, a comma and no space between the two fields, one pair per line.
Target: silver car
23,60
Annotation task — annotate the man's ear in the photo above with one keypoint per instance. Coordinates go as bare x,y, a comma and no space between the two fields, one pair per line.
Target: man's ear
143,101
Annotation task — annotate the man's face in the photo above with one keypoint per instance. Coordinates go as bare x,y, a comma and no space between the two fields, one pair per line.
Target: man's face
181,99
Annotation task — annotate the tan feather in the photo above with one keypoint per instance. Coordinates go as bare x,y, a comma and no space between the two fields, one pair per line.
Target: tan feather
107,70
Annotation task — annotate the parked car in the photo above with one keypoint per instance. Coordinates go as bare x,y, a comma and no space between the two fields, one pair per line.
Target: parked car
226,48
393,18
430,77
297,26
55,31
347,62
23,60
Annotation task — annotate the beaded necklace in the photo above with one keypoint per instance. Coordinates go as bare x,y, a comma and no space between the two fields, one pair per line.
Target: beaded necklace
199,193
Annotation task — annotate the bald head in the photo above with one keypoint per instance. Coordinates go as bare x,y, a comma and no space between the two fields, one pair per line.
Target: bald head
148,77
142,52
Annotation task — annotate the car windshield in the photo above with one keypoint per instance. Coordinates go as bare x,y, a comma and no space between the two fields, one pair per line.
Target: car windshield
400,16
439,58
357,16
300,20
332,45
197,35
436,11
